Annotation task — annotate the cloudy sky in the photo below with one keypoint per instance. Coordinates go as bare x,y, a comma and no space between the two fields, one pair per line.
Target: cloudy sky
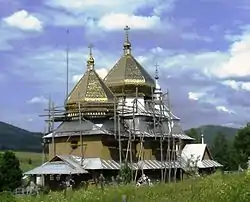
202,48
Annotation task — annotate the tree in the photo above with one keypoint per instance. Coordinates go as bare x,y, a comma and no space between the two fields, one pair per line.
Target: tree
194,134
223,152
242,145
10,172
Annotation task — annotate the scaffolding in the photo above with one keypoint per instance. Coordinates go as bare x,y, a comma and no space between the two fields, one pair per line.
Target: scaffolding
168,165
124,114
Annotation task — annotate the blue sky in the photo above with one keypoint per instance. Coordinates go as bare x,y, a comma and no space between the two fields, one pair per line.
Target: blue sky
201,46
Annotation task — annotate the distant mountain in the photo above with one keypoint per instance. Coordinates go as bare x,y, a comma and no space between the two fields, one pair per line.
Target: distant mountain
14,138
210,131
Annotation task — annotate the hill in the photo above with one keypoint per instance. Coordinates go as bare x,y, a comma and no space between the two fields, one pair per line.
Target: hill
14,138
17,139
210,131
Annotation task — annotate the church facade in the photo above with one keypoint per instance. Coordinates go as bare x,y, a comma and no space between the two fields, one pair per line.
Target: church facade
122,118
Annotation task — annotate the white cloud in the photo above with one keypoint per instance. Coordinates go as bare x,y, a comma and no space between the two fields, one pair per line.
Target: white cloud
38,100
195,36
30,119
224,109
49,68
102,72
23,20
109,15
76,78
195,95
237,85
235,62
99,8
238,62
114,21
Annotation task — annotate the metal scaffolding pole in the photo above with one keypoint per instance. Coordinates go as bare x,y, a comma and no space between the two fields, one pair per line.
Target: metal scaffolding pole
52,128
119,140
161,140
44,144
81,139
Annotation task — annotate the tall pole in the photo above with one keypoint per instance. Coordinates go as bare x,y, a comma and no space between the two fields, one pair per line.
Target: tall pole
43,144
161,140
49,115
67,66
52,127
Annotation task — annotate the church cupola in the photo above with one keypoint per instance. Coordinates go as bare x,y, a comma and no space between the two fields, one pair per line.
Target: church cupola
90,92
127,74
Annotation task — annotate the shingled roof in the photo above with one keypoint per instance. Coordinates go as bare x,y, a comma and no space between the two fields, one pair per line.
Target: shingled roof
90,87
128,71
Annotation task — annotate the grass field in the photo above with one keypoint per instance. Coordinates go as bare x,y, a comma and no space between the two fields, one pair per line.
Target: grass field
29,160
215,188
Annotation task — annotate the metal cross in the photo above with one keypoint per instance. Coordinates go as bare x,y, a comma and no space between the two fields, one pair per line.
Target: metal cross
90,46
127,28
156,71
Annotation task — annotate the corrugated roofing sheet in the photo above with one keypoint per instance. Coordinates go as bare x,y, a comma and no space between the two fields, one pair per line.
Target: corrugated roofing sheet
97,163
155,164
70,164
209,164
56,167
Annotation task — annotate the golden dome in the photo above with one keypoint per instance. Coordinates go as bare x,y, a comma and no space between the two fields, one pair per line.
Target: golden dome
90,89
128,73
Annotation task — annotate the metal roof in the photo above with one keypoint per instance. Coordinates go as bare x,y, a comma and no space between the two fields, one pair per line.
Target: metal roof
56,167
76,128
98,163
70,164
155,164
208,164
196,152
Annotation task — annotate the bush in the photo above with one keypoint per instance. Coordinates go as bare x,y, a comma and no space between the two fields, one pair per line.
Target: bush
7,197
125,173
29,161
10,172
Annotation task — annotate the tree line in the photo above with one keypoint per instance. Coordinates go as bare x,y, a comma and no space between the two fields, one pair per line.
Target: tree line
231,153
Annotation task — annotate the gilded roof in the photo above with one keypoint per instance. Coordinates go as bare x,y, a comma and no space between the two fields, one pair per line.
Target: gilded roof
128,71
90,88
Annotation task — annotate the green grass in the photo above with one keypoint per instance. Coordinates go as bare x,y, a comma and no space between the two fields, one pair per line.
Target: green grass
28,160
215,188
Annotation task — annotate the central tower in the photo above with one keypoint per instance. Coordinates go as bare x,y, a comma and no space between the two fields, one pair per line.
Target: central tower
127,77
